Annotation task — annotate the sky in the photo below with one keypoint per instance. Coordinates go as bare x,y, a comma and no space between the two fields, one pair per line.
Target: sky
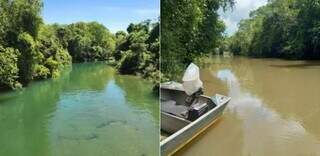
114,14
240,11
118,14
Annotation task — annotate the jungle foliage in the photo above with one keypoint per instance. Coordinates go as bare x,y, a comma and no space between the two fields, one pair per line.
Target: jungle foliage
86,41
282,28
138,50
32,50
189,29
29,50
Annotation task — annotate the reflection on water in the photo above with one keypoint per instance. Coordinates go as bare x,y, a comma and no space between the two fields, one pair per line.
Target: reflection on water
88,111
273,111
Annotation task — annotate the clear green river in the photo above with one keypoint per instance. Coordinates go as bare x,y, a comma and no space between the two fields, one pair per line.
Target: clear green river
89,111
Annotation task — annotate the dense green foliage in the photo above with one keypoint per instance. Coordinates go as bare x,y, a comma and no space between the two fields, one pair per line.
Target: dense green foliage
31,50
189,29
9,68
138,51
282,28
86,41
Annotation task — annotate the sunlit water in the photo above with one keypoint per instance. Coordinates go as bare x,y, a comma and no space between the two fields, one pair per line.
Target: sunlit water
275,108
88,111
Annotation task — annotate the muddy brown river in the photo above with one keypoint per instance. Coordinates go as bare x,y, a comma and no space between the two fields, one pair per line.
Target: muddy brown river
275,108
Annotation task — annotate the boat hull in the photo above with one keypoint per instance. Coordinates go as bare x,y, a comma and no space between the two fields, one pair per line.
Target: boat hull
187,131
171,124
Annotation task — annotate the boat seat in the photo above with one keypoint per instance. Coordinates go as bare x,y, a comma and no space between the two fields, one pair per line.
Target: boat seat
171,107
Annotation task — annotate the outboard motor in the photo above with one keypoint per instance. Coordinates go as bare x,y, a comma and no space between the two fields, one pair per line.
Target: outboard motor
193,88
191,79
192,84
194,97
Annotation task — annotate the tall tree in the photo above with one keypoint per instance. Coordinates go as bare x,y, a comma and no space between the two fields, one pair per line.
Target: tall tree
282,28
189,28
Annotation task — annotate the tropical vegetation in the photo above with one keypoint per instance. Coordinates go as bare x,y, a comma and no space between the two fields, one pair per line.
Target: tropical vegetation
32,50
138,51
283,28
189,29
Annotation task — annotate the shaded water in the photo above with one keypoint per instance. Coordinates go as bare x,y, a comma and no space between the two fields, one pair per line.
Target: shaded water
275,108
89,110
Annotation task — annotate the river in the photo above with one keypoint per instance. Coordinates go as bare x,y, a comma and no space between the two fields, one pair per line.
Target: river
275,108
89,110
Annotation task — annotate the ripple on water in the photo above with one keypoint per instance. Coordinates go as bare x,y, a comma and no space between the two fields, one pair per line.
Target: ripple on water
267,113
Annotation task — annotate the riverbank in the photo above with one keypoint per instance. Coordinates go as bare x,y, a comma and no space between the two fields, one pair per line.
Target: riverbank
40,51
281,29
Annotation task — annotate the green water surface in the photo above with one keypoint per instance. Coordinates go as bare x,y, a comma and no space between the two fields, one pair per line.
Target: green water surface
89,111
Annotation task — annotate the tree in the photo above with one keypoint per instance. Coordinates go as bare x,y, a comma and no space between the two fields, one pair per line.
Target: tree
282,28
189,29
9,71
87,41
31,50
32,43
138,51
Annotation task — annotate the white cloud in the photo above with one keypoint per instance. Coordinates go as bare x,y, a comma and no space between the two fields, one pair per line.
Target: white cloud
230,24
240,11
249,4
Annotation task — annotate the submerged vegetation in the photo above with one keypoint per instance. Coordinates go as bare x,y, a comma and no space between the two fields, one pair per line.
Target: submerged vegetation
32,50
189,29
282,28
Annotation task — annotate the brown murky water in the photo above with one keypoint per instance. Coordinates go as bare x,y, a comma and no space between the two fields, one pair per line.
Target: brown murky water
275,108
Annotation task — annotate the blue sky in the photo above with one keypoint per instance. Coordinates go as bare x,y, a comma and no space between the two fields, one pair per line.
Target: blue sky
117,14
114,14
240,11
